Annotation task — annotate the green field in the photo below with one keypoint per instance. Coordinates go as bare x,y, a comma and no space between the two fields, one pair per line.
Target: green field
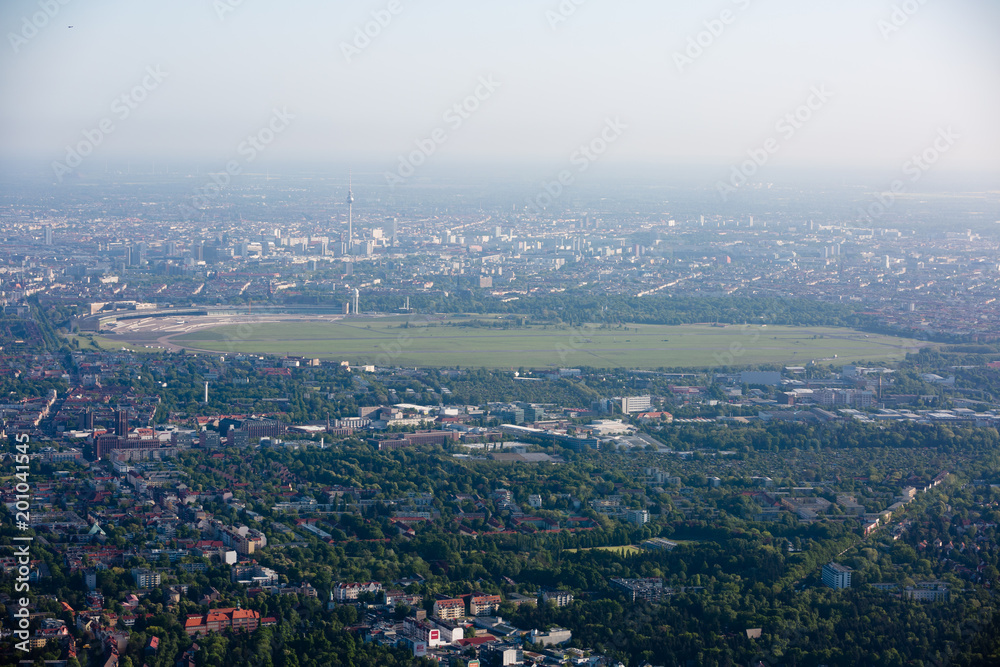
385,341
621,551
103,343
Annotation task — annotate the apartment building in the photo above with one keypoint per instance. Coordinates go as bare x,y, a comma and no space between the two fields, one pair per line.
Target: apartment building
217,620
836,576
449,609
481,604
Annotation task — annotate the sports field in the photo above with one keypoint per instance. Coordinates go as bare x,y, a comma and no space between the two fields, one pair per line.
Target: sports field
390,341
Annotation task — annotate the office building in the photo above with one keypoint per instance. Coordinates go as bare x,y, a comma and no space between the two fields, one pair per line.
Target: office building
636,404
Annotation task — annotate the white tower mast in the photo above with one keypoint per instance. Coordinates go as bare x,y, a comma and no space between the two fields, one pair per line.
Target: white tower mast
350,215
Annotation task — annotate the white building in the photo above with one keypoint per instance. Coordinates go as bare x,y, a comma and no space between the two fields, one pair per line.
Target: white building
609,427
927,591
632,404
558,598
769,378
638,517
836,576
351,592
449,633
145,578
552,637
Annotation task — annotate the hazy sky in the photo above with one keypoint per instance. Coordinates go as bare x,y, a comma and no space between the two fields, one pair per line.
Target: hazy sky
229,64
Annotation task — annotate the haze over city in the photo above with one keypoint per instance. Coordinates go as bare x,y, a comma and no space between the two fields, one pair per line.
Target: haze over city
696,85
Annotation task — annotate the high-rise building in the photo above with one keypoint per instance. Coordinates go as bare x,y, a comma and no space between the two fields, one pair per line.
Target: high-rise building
121,423
636,404
637,517
534,413
836,576
48,235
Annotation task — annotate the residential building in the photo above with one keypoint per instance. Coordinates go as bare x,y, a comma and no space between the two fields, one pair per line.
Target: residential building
558,598
481,604
650,589
350,592
449,609
145,578
246,541
638,517
836,576
927,591
218,620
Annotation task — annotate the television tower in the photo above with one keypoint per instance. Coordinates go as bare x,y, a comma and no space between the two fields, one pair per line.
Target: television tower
350,215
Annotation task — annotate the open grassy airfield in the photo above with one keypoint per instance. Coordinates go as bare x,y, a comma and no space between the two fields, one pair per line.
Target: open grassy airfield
390,341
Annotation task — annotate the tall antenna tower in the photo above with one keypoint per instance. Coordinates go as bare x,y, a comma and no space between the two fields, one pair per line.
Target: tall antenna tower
350,214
